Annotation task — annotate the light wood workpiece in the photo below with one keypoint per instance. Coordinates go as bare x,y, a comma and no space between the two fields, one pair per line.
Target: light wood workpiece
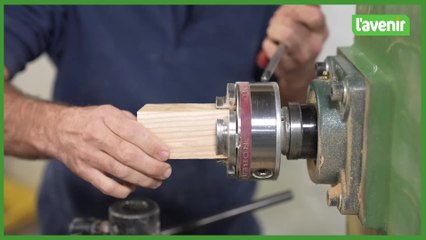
188,129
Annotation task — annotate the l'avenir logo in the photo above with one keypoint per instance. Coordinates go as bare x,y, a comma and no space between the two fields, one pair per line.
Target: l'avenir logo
380,25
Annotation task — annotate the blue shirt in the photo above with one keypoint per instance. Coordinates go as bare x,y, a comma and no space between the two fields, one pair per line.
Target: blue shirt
128,56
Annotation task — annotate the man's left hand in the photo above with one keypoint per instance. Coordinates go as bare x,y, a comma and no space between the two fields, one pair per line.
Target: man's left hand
303,30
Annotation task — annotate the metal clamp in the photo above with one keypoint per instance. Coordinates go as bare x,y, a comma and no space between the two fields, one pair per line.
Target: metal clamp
250,137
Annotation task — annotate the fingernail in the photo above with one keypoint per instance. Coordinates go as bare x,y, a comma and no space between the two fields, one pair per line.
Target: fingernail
164,155
158,185
168,173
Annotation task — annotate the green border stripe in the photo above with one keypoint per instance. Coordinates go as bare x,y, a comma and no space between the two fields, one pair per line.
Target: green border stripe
116,2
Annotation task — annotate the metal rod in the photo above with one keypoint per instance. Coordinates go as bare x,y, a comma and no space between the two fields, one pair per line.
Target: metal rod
255,205
273,63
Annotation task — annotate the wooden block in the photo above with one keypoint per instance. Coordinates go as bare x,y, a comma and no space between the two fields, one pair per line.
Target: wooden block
188,129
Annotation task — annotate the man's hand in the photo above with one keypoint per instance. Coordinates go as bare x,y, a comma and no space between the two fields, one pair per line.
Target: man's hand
303,30
103,143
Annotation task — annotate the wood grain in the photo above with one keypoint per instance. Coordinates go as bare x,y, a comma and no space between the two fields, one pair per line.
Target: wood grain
188,129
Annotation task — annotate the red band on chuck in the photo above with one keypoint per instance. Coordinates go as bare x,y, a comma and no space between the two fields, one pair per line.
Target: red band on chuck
244,153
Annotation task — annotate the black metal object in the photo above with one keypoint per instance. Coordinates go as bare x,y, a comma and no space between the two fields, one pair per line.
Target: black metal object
299,136
309,131
321,69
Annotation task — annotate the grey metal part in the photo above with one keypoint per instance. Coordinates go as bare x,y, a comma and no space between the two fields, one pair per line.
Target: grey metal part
341,117
221,136
89,226
227,101
134,217
296,131
331,136
285,131
266,130
232,139
226,130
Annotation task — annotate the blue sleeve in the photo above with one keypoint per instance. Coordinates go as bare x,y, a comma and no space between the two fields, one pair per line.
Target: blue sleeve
28,32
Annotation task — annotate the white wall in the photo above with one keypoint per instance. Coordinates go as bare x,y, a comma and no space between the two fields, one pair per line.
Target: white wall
37,80
306,214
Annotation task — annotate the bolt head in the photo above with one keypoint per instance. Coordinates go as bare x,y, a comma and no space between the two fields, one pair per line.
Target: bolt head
337,91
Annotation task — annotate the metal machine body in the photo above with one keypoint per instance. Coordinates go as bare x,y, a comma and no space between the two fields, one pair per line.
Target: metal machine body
340,102
367,102
391,186
328,130
367,105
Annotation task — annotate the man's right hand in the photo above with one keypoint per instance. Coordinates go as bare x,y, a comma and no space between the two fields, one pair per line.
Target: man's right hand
102,143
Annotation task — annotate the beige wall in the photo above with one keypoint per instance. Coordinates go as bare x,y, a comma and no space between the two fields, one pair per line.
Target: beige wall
306,214
37,80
